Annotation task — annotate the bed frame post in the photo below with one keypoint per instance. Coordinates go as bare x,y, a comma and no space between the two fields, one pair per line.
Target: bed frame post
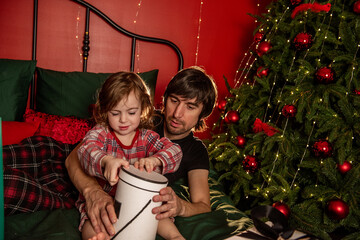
34,43
132,59
86,42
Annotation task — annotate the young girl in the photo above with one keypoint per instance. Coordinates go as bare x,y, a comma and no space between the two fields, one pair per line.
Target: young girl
122,114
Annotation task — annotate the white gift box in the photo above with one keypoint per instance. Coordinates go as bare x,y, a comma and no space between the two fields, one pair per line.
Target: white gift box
133,204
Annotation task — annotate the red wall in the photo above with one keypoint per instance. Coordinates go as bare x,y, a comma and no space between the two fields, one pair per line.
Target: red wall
226,32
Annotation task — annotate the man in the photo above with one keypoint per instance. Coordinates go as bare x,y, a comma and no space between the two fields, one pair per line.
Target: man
188,99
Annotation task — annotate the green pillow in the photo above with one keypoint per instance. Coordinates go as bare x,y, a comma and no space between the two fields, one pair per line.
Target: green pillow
71,93
15,78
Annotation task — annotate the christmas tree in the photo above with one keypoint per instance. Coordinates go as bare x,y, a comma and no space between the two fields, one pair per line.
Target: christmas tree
289,131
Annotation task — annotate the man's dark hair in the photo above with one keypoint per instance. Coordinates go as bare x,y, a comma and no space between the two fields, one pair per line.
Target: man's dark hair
192,83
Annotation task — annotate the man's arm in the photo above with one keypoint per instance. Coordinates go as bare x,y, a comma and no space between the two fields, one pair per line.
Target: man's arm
199,194
99,205
175,206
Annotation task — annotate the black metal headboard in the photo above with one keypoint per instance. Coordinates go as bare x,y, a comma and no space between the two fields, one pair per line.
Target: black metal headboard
86,41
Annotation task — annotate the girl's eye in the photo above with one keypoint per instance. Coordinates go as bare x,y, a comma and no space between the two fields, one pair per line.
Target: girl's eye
114,113
132,113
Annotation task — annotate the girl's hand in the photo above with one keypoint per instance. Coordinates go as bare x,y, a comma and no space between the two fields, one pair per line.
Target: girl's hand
148,163
112,168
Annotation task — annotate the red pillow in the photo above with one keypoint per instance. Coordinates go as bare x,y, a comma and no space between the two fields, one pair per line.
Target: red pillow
13,132
64,129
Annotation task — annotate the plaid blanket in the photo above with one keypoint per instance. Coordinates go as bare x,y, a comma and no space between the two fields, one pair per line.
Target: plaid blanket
35,176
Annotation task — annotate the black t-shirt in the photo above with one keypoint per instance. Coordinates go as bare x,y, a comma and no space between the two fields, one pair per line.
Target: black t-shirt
195,155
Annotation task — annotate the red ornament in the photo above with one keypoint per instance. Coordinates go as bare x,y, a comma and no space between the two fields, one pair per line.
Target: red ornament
250,164
345,167
240,141
337,209
303,41
283,208
325,75
356,7
289,111
357,92
221,105
258,36
322,149
232,116
262,72
263,48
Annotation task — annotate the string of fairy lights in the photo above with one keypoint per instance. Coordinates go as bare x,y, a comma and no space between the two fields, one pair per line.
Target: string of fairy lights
78,40
138,50
198,33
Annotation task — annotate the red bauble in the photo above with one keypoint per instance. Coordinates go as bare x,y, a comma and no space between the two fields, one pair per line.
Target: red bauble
337,209
283,208
345,167
356,7
295,2
250,164
232,116
258,36
357,92
221,105
262,72
303,41
325,75
263,48
240,141
289,111
322,149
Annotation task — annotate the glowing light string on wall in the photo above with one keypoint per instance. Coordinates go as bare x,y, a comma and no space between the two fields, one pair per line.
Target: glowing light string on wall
78,41
198,34
137,42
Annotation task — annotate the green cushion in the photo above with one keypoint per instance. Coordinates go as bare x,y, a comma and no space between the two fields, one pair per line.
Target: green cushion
59,224
15,78
71,93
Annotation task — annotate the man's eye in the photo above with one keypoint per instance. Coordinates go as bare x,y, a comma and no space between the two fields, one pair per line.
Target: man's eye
173,100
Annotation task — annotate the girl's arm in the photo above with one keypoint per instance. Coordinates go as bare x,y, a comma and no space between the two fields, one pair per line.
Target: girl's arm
91,151
167,152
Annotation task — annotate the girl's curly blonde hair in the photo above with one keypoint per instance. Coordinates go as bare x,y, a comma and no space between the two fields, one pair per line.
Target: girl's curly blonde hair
118,86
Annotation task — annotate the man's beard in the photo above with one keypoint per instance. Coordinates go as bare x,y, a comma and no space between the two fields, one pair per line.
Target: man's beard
175,131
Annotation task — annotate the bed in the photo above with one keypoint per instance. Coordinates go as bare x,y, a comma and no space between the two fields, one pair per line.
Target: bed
45,113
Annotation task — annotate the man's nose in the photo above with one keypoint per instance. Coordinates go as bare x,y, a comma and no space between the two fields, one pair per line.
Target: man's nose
179,110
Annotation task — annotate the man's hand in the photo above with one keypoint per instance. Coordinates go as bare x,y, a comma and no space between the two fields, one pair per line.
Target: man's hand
171,207
100,210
